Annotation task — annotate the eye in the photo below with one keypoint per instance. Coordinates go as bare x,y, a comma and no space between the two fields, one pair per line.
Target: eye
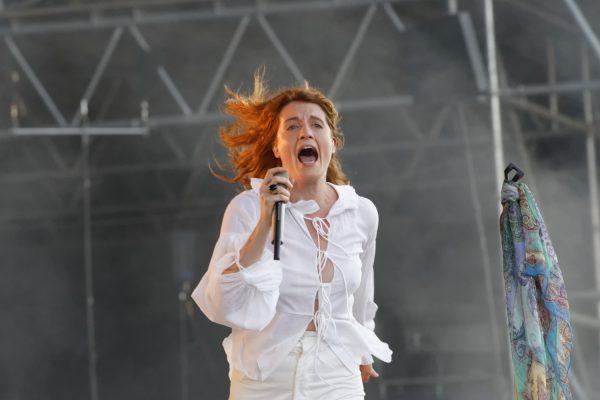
318,125
290,127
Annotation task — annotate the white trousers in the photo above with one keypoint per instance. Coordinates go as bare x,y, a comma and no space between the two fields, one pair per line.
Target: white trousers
296,378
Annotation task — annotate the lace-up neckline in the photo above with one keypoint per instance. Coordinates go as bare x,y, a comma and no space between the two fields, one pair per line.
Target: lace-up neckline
323,315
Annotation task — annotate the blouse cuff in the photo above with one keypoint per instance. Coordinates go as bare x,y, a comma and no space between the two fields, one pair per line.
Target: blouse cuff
364,360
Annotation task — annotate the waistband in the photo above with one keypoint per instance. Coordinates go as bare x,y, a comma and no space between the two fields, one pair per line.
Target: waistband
306,342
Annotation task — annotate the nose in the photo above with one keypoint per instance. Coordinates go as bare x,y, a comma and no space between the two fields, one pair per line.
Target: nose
306,132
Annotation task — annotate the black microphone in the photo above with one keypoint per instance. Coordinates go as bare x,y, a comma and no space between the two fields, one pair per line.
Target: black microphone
278,222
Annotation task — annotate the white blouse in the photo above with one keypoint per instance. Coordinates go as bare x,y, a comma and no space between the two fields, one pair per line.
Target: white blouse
269,303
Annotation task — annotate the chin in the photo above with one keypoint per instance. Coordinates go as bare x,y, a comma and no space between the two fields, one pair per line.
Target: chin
312,175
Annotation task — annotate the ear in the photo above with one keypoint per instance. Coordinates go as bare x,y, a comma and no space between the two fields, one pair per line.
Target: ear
275,149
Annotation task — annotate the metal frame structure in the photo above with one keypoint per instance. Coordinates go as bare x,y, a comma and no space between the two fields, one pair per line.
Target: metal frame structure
125,18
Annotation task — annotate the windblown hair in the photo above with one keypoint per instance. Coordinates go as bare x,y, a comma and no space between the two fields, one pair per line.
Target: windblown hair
249,139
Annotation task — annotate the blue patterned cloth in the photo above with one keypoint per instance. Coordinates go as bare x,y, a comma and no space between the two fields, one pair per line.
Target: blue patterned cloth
536,300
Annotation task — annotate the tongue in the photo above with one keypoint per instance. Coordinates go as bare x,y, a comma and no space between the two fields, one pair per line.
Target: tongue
308,159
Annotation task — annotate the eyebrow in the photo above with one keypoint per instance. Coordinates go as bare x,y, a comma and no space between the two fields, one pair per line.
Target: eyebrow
296,118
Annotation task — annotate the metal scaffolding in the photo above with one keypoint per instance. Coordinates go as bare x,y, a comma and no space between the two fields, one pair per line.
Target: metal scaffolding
125,18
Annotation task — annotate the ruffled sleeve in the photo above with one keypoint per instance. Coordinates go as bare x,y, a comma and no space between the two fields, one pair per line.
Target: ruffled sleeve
364,307
247,298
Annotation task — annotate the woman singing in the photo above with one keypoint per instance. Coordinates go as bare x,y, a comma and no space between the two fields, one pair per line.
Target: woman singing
302,326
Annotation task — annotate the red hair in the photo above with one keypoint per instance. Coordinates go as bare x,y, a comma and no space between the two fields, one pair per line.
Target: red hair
249,139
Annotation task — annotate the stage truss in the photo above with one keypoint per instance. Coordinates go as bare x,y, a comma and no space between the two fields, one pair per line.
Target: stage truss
505,104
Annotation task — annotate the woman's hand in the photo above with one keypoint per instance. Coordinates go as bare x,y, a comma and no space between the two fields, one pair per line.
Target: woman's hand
268,198
253,249
367,371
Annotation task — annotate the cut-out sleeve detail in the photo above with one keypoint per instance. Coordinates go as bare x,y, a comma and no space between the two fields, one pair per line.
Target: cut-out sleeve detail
247,298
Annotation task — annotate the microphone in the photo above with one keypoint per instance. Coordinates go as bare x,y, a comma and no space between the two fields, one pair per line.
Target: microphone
278,221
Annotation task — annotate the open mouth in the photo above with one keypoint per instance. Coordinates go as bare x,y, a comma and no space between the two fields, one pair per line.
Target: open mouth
308,155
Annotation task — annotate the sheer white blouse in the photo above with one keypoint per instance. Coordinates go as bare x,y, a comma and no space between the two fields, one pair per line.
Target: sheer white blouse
269,304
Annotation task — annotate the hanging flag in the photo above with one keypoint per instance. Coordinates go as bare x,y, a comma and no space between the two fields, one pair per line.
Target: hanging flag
539,327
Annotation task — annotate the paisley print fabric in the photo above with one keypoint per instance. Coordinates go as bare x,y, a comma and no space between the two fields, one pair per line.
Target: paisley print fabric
536,300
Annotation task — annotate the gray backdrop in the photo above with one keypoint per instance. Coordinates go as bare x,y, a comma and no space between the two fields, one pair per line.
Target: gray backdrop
96,279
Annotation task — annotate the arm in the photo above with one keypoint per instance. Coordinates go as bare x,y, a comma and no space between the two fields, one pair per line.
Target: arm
364,307
254,247
232,293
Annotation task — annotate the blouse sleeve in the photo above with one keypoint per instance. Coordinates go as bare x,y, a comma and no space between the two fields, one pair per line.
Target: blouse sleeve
247,298
364,307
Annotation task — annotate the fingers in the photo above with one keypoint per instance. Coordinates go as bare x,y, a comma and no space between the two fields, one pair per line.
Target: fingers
284,186
278,196
284,183
272,174
273,171
268,198
281,189
365,376
281,181
367,371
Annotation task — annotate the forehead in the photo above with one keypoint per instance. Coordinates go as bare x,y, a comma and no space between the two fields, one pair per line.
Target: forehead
301,109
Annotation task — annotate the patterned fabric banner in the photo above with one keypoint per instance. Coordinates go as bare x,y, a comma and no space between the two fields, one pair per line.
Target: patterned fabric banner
536,300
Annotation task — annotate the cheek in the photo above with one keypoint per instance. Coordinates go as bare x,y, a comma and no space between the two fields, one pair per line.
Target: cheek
328,144
286,151
282,147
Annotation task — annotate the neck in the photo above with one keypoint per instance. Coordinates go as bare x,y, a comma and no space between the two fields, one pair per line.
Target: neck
316,190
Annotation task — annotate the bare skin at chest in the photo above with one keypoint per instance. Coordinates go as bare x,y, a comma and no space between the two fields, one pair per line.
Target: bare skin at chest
328,270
